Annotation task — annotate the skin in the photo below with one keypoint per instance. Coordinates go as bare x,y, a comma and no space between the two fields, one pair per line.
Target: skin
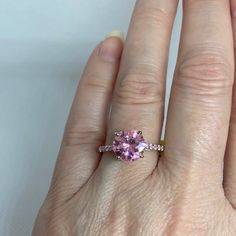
191,190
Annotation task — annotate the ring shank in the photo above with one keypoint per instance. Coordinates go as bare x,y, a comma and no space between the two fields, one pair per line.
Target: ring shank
150,147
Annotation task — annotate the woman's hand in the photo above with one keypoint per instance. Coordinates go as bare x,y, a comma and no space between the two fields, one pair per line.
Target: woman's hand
185,192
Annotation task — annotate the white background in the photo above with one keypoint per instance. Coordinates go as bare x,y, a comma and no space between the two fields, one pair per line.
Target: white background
44,46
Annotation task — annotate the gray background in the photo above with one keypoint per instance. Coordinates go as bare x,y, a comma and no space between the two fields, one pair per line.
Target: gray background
44,46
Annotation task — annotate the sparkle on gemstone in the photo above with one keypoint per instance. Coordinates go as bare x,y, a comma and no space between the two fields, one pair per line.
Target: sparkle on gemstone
129,145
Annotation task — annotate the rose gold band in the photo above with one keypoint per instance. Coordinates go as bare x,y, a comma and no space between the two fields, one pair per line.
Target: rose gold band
150,147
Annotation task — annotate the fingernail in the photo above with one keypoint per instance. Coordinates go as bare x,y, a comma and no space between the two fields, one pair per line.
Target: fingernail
110,49
116,33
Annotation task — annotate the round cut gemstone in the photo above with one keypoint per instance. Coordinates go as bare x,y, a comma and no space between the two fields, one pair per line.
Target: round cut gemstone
129,145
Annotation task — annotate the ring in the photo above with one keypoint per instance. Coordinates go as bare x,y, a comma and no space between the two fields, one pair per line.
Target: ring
129,145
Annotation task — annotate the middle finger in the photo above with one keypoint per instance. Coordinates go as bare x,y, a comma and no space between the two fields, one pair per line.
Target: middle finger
200,104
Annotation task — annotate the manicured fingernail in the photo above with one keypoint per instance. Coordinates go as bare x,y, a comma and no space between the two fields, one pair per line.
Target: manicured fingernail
116,33
110,49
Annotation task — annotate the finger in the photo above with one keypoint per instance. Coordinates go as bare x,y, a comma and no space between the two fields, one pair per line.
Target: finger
139,93
200,104
230,155
85,129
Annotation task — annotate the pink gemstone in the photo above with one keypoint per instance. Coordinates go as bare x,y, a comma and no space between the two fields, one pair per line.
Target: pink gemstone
128,145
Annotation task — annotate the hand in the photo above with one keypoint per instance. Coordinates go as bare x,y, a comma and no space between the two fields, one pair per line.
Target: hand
185,192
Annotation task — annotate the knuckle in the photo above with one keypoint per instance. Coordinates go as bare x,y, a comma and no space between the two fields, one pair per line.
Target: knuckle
205,73
140,88
82,137
51,218
152,15
97,83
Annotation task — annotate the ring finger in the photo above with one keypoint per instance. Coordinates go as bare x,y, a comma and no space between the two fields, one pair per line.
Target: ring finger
138,99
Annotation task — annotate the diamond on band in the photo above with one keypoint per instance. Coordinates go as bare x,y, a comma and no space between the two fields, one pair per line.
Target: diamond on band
150,147
129,145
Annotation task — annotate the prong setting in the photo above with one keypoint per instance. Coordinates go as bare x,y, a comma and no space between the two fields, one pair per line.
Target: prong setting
118,133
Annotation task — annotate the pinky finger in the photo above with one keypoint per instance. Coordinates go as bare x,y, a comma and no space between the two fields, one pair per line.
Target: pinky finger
85,129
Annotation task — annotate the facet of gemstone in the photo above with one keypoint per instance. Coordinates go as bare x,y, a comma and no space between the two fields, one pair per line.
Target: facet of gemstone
129,145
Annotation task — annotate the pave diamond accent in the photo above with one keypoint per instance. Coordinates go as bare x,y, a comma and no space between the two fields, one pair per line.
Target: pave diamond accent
106,148
155,147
